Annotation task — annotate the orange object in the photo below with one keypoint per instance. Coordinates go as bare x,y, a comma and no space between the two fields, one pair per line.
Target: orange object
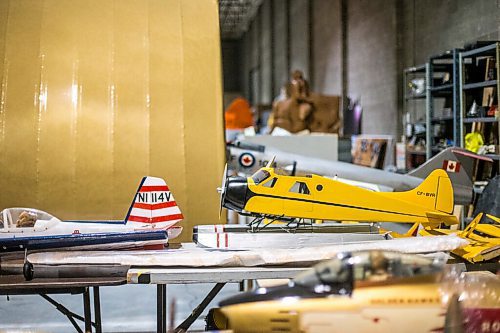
238,114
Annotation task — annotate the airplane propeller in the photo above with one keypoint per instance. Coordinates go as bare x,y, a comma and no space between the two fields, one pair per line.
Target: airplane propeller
271,162
222,190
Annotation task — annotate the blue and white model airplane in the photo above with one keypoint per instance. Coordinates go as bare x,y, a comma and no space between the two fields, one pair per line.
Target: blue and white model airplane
149,221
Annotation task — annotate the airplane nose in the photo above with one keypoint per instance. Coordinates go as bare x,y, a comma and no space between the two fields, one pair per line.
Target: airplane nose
236,193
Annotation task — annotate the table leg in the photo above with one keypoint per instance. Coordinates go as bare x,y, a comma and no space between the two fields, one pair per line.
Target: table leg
161,308
69,314
97,310
86,311
184,326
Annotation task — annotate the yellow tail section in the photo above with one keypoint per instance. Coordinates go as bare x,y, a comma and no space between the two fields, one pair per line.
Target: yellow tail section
434,193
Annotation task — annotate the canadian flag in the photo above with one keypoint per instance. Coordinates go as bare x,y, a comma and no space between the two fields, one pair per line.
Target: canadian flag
451,166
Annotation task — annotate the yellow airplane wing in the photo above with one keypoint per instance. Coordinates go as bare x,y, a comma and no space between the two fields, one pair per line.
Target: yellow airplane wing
489,230
494,218
484,240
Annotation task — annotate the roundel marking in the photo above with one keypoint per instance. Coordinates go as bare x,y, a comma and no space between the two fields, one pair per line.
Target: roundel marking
246,160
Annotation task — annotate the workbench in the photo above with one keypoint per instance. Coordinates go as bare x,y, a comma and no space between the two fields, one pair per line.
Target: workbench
220,276
161,277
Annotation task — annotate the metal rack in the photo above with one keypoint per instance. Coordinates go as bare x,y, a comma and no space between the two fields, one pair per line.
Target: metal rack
468,88
409,73
448,62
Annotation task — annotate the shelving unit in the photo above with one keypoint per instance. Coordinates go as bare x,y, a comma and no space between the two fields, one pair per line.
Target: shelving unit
442,125
414,113
474,79
480,120
489,83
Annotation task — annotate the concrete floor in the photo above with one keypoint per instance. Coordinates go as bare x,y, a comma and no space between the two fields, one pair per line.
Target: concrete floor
128,308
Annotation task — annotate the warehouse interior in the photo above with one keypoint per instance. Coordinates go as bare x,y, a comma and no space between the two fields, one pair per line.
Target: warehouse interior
348,48
249,166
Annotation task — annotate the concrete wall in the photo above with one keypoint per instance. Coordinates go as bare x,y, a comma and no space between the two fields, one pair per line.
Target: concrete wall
266,56
299,36
231,65
382,38
431,26
327,62
280,33
371,63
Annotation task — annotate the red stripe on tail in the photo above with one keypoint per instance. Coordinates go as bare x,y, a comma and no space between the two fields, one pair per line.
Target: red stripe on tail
155,206
154,188
155,219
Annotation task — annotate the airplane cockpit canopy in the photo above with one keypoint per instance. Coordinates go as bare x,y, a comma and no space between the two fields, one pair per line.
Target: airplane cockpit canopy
375,266
23,217
260,176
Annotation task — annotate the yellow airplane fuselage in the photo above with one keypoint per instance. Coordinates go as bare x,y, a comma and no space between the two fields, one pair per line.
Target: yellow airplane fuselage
415,306
316,197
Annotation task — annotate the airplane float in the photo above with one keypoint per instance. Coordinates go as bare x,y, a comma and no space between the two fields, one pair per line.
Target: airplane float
269,196
150,221
277,235
369,291
247,158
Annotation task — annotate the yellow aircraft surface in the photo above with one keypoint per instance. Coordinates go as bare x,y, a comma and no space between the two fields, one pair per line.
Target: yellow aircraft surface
271,195
484,239
369,291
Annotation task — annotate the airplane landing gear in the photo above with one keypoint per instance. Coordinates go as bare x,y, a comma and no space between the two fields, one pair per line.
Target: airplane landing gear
27,267
28,271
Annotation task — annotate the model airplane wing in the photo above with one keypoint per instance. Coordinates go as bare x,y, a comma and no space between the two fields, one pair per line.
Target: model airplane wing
196,257
484,240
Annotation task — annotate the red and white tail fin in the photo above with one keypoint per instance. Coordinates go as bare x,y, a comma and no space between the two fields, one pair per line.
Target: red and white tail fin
154,205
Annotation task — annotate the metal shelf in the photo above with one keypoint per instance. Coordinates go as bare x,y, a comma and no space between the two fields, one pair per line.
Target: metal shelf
442,87
416,69
416,152
493,156
419,96
477,85
480,50
444,62
480,120
418,122
468,90
445,118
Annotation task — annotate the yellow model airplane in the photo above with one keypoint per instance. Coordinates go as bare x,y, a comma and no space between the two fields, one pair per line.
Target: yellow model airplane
484,239
268,194
369,292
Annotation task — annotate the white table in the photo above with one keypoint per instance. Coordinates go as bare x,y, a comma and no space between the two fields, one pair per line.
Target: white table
220,276
209,275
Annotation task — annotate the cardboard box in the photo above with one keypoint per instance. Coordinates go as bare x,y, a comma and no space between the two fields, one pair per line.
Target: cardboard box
369,152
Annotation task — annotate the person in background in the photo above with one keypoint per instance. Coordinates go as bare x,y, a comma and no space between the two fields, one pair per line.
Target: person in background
237,116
